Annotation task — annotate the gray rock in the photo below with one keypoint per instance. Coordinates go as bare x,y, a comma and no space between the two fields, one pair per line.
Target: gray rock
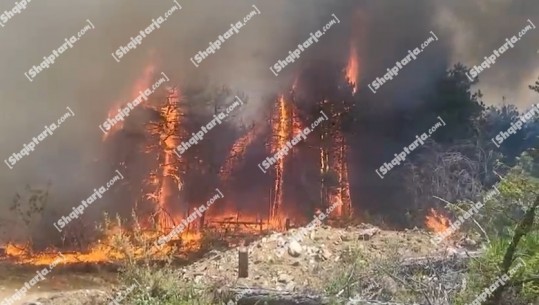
294,248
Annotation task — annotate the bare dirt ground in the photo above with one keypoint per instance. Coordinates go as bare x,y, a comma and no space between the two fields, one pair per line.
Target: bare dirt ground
59,281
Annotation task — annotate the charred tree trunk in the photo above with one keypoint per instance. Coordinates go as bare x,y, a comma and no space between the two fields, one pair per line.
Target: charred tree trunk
522,229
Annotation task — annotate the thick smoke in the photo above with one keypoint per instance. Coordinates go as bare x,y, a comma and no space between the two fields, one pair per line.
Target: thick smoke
87,78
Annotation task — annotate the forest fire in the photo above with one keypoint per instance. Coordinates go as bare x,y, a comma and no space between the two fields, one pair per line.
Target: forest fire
168,193
304,162
101,251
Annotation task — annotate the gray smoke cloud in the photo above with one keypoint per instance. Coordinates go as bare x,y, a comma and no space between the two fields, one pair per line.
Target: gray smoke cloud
476,28
87,78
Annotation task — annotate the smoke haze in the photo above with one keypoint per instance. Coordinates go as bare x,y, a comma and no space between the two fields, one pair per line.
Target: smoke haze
87,78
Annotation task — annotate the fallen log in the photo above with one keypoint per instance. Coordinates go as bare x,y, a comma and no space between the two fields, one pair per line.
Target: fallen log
252,296
458,260
260,296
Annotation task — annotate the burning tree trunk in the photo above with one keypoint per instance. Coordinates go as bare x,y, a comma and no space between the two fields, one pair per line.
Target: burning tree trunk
340,165
335,187
168,176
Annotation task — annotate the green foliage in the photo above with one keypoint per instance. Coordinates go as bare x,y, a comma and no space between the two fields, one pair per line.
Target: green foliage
504,203
454,101
160,286
500,217
484,271
354,260
530,255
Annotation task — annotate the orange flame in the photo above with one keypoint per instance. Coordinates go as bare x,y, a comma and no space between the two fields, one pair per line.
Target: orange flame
105,250
340,165
352,68
280,131
237,152
168,177
141,84
437,222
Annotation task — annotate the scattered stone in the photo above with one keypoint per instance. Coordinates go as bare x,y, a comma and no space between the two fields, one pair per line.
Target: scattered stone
304,263
346,237
284,278
290,286
294,248
468,242
281,242
325,254
366,234
76,297
198,278
389,284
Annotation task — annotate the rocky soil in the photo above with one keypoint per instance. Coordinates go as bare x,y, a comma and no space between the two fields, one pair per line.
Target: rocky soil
304,260
299,260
